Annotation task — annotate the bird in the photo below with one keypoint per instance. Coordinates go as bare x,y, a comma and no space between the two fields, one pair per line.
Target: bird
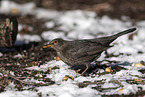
83,52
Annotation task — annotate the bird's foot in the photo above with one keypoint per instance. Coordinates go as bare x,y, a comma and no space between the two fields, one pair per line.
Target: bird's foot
80,69
84,70
77,71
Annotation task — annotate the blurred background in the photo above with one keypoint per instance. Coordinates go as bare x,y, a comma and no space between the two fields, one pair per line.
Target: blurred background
113,8
30,15
44,20
40,21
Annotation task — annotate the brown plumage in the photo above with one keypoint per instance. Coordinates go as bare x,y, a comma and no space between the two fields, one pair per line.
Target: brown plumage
83,52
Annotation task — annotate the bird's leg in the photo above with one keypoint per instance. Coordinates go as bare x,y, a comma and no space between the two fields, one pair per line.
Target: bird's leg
78,71
87,67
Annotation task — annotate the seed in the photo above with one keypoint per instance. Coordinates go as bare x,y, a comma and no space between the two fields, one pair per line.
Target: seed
108,69
138,65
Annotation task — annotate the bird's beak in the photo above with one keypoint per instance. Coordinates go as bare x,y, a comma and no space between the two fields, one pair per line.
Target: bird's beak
46,46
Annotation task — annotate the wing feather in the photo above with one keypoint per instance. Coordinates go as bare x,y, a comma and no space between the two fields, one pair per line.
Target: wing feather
83,49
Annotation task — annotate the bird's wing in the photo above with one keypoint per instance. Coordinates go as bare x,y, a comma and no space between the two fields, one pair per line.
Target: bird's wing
81,49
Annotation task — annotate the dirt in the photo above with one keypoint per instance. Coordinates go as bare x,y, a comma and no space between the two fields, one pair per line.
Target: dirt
34,55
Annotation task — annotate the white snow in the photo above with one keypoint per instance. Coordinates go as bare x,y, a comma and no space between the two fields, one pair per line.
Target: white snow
29,38
18,56
49,35
1,54
11,92
7,6
82,25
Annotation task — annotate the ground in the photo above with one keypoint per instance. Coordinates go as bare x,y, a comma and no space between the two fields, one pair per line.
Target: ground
27,66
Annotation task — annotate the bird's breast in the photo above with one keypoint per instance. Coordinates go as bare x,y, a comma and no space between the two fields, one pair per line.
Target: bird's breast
64,59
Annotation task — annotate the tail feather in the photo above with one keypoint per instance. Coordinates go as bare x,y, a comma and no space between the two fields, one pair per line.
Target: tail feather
107,40
124,32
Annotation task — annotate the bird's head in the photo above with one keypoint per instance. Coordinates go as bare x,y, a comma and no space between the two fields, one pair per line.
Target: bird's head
55,44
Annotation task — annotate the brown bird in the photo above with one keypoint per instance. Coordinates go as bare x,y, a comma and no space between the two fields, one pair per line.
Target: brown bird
83,52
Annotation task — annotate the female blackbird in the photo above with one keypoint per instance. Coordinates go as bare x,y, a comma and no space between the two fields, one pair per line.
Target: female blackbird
83,52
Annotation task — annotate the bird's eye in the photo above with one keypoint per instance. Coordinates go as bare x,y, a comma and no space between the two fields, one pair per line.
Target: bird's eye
55,42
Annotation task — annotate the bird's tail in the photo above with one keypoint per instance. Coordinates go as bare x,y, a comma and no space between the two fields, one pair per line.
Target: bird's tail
107,40
124,32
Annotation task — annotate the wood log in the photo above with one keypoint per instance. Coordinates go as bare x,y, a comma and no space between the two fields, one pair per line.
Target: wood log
8,30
